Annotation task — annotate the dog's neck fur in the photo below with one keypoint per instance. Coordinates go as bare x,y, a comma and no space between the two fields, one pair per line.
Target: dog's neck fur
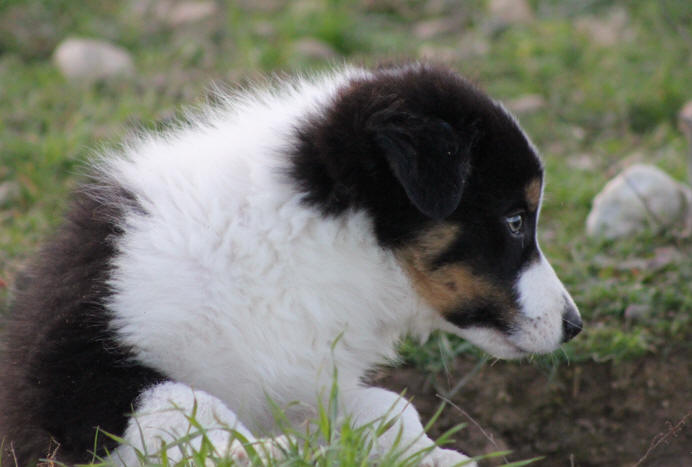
328,294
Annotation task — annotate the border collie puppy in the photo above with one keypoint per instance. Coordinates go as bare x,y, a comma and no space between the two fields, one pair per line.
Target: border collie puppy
243,256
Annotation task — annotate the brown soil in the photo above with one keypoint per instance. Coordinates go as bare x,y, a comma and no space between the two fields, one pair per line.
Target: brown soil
587,414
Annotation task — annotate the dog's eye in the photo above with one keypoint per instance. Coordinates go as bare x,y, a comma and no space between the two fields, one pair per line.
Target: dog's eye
515,223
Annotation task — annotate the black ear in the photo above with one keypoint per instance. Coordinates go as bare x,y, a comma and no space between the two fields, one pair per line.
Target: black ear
426,156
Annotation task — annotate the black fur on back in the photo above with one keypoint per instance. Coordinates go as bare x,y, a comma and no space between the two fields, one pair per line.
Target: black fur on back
60,358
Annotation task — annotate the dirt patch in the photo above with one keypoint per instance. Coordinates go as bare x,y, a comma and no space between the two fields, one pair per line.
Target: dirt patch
587,414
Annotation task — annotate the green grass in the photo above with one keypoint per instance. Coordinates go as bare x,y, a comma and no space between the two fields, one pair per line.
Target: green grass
606,101
326,440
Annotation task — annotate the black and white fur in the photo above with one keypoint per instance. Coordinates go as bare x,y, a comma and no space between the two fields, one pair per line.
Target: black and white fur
216,265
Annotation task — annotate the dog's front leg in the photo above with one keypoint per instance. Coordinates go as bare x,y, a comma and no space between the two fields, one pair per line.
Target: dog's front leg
175,418
380,407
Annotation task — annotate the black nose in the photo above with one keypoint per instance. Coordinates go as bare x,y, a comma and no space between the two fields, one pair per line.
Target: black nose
571,323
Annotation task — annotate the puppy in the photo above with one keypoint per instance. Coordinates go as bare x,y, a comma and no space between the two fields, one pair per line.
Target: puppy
287,232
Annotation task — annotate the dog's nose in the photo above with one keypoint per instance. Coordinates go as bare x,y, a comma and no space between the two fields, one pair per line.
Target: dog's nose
571,323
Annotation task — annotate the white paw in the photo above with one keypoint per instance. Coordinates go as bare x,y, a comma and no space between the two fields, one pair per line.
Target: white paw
266,449
446,458
237,453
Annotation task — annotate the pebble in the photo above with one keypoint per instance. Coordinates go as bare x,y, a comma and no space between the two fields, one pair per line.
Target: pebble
189,12
641,197
510,12
605,31
9,191
92,60
314,49
526,104
582,161
637,311
430,28
685,124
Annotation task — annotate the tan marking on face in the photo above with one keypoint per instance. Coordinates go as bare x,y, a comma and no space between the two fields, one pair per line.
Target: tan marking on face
437,239
533,193
447,287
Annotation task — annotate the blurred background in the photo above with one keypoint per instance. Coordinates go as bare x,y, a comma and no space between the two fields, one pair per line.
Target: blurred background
601,86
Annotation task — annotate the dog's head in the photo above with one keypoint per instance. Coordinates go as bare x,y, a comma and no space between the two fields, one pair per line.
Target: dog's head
454,189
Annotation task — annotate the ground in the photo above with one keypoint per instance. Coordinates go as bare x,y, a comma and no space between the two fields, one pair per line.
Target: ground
591,414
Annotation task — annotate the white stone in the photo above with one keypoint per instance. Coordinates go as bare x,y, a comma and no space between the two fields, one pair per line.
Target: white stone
526,104
639,198
605,31
190,12
151,9
174,13
509,12
9,191
469,45
314,48
92,59
685,122
446,55
637,311
427,29
582,161
264,29
472,45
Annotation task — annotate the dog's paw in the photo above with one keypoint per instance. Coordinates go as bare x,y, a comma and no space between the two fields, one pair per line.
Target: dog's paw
447,458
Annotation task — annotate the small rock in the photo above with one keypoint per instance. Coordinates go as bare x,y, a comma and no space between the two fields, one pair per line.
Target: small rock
641,197
150,9
685,123
174,13
264,29
436,27
509,12
637,311
438,54
470,45
582,161
314,49
190,12
267,6
577,132
527,104
9,191
604,31
91,60
685,119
